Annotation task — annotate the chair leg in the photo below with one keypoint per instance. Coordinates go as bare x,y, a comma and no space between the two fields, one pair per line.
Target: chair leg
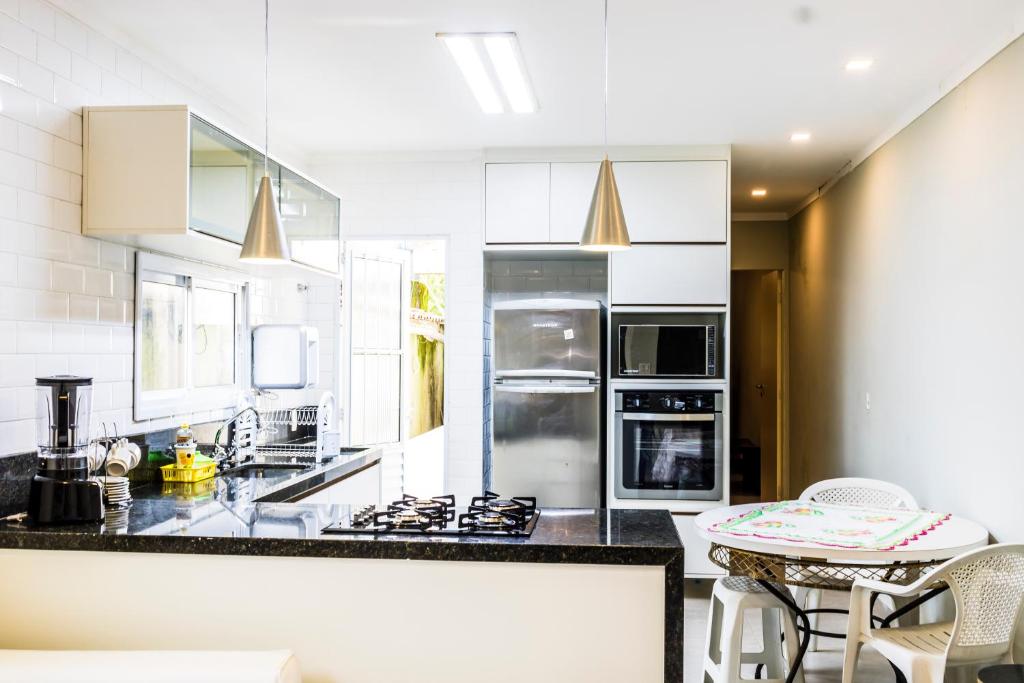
928,670
731,644
813,601
713,638
771,651
853,646
792,643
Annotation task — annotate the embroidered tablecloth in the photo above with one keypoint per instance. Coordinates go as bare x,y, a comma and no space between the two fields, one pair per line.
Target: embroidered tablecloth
837,526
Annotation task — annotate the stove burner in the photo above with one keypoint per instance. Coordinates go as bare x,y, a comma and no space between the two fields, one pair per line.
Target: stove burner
493,519
488,514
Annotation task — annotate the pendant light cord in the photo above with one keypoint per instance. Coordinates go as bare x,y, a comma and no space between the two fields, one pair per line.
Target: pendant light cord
266,87
605,77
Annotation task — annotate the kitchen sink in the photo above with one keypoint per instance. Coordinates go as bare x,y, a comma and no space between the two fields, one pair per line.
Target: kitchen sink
259,470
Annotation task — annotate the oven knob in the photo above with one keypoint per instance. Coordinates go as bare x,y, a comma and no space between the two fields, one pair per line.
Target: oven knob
679,405
666,402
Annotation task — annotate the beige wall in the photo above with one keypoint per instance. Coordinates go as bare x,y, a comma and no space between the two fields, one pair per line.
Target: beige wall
906,284
760,245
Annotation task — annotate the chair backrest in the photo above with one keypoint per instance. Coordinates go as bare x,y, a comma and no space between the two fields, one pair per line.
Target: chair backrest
988,589
864,492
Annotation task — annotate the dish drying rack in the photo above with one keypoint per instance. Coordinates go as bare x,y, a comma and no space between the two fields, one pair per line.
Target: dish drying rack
320,416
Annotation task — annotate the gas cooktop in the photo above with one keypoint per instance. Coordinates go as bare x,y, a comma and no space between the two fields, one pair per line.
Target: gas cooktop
486,515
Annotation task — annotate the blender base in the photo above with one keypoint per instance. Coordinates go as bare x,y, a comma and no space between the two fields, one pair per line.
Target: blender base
54,501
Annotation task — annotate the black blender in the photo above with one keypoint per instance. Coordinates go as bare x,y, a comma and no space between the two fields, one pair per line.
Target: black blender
62,491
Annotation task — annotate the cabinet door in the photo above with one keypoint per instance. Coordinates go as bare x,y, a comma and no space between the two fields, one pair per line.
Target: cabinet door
572,188
695,563
516,198
135,166
224,175
310,215
674,201
362,488
670,274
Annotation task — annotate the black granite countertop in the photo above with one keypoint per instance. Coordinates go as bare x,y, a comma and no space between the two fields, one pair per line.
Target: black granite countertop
248,516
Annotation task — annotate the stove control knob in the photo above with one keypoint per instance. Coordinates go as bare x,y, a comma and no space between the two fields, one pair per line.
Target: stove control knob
666,402
679,404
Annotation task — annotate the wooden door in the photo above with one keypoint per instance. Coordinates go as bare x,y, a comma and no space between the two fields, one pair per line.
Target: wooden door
769,291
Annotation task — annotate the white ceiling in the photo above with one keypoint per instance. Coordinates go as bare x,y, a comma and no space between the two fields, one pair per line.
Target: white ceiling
369,75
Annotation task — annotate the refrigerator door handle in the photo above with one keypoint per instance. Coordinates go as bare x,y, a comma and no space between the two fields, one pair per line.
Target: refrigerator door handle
554,389
537,372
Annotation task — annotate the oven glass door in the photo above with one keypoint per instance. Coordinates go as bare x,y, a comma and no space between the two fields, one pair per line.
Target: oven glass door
668,456
663,351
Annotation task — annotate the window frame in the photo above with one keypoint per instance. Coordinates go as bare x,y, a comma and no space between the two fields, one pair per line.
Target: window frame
190,399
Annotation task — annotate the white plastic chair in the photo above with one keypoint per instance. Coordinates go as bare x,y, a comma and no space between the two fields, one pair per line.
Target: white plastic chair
988,591
848,491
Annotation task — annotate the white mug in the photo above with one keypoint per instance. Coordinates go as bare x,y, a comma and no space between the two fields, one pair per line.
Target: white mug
119,459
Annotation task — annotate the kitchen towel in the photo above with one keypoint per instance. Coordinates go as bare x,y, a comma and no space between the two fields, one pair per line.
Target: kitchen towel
839,526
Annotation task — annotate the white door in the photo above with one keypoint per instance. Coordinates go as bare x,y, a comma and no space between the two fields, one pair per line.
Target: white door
516,203
377,300
674,201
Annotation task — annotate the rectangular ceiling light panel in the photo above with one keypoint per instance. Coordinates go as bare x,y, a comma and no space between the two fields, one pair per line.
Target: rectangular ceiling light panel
492,63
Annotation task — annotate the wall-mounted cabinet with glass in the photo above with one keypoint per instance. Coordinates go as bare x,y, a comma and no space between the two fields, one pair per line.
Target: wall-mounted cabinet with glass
165,171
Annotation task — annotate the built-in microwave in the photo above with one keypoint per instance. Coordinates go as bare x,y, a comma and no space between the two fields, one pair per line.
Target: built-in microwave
667,345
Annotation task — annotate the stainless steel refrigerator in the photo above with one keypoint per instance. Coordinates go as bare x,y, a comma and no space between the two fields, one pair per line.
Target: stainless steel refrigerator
548,401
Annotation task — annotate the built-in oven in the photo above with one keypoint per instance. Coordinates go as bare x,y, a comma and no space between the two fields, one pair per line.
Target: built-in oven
667,345
668,444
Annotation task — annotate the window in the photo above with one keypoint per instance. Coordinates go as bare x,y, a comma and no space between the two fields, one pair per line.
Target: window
190,323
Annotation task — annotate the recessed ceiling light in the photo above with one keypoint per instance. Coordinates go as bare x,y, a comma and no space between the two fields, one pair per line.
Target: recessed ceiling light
508,64
487,60
859,64
464,52
800,136
759,192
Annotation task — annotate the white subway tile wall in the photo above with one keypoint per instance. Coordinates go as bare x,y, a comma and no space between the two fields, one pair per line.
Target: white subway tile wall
428,197
67,301
573,278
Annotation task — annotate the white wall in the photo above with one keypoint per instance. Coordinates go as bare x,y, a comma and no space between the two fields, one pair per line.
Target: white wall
426,195
906,284
66,301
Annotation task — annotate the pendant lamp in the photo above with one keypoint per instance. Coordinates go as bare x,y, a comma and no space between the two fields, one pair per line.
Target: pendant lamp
605,229
265,241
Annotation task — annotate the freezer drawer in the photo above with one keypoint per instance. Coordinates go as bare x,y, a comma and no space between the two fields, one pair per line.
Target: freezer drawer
547,443
547,340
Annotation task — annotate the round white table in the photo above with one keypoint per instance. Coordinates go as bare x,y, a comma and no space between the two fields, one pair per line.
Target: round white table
772,562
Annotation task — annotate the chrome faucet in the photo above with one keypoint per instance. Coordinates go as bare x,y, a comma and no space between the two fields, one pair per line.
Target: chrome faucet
240,444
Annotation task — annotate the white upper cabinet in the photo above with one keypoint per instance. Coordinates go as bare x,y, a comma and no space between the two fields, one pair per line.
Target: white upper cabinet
155,171
123,195
517,203
671,274
664,201
572,188
674,201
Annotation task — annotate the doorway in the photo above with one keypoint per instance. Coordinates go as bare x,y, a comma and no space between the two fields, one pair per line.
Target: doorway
394,358
757,372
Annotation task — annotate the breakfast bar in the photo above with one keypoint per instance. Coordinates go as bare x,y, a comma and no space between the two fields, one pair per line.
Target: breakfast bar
263,575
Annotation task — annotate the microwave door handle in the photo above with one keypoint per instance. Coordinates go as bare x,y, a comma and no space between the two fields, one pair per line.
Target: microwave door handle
669,417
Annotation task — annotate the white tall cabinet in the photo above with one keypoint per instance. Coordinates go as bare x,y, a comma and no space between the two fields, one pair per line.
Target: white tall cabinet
676,204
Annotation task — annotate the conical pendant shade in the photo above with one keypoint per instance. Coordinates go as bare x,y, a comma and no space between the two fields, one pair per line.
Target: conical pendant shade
606,226
264,239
